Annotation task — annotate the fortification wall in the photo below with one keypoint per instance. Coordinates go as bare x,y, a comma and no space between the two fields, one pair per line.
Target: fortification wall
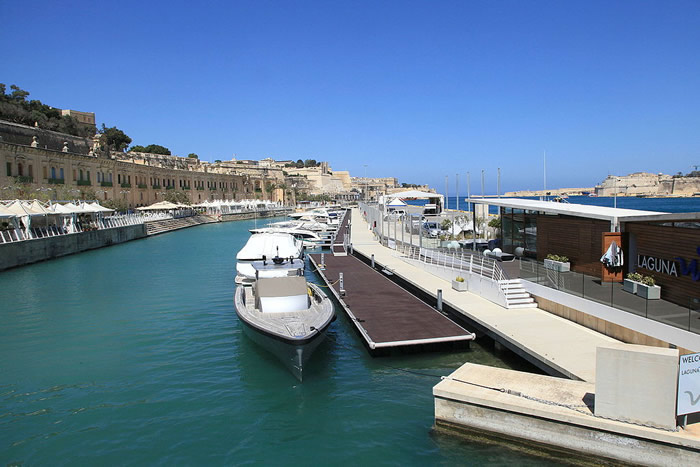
22,134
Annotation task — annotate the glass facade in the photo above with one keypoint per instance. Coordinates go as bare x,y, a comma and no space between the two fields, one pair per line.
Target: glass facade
519,229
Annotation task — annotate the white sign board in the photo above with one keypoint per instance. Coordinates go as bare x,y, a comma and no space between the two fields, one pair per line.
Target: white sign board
689,384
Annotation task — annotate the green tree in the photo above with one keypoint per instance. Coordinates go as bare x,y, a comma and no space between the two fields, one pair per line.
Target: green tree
18,95
193,156
151,149
310,163
119,205
157,149
495,223
300,164
113,137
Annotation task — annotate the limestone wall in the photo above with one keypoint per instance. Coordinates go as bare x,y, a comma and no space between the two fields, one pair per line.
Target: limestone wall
23,134
42,249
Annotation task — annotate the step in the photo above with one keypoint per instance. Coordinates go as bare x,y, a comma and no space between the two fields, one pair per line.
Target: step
523,305
515,296
518,301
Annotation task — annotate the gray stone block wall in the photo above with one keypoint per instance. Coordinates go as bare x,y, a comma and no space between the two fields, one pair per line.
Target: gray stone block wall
41,249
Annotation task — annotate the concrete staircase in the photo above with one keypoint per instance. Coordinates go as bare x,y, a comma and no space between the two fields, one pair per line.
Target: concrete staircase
516,295
167,225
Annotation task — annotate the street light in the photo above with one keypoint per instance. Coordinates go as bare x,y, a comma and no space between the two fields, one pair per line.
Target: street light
366,184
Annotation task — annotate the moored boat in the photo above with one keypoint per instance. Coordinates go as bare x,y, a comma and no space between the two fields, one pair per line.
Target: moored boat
285,315
266,246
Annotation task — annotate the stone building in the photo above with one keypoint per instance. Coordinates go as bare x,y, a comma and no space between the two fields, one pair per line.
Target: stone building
85,119
35,161
648,184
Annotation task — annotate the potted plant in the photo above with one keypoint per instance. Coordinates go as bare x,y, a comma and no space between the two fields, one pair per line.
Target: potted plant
459,284
557,263
631,282
648,288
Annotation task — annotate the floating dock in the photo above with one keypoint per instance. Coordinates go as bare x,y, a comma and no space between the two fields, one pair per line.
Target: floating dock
385,315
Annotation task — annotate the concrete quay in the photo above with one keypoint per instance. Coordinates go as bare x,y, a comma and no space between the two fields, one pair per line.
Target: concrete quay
25,252
553,412
556,345
41,249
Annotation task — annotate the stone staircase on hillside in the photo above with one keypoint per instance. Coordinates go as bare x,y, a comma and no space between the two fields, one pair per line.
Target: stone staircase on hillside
167,225
516,295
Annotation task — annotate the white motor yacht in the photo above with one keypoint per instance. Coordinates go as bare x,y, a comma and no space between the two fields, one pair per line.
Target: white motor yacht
266,247
285,315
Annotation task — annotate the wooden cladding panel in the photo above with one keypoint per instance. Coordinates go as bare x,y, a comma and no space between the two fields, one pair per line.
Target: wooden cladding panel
578,238
668,243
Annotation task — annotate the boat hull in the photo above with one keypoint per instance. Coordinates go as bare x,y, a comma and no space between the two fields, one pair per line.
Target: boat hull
294,355
293,352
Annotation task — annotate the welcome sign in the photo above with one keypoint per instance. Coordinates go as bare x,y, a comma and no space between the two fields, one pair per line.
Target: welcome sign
689,384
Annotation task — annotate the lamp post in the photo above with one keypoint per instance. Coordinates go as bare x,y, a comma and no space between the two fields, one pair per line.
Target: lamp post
457,188
366,184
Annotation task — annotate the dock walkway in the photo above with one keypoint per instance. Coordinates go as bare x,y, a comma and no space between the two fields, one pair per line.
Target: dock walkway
555,344
386,315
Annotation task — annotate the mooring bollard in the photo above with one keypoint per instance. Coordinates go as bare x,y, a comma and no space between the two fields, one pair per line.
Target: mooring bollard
322,266
372,260
351,248
439,300
342,285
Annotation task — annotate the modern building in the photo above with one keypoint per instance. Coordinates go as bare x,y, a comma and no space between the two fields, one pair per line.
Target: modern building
665,246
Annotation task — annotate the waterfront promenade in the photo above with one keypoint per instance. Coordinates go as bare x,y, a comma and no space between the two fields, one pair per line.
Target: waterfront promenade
554,344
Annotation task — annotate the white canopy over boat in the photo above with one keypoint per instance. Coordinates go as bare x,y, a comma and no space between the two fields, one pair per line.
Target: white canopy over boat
270,245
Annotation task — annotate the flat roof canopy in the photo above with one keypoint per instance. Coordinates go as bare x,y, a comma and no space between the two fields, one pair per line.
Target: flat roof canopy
568,209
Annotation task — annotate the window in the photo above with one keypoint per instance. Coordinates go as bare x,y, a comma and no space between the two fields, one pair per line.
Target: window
88,176
53,172
31,170
45,170
81,174
99,177
119,178
75,174
61,173
20,169
9,169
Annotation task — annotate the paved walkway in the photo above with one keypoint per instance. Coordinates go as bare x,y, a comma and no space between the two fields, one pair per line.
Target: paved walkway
548,340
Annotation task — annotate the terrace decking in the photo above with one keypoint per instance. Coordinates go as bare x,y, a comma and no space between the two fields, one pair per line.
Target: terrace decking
386,315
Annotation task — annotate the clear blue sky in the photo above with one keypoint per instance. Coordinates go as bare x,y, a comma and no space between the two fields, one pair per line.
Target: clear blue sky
414,89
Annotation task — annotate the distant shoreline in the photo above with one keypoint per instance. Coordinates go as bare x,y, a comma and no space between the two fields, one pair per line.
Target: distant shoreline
525,194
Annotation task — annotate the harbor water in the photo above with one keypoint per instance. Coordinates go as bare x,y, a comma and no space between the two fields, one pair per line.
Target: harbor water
133,354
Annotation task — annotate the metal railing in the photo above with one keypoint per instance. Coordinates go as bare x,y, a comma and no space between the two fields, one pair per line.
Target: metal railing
684,315
400,233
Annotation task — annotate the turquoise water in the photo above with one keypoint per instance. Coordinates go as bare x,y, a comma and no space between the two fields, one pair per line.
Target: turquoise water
133,354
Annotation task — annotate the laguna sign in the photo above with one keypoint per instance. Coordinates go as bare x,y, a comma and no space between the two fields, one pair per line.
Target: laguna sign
671,267
689,384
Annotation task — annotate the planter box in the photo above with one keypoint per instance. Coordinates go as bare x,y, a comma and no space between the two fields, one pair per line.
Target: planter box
649,292
459,286
630,286
557,265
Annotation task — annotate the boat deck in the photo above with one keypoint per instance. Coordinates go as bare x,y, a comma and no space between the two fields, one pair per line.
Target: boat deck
386,315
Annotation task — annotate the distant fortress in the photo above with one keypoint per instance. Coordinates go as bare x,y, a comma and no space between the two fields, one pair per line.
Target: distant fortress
641,184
